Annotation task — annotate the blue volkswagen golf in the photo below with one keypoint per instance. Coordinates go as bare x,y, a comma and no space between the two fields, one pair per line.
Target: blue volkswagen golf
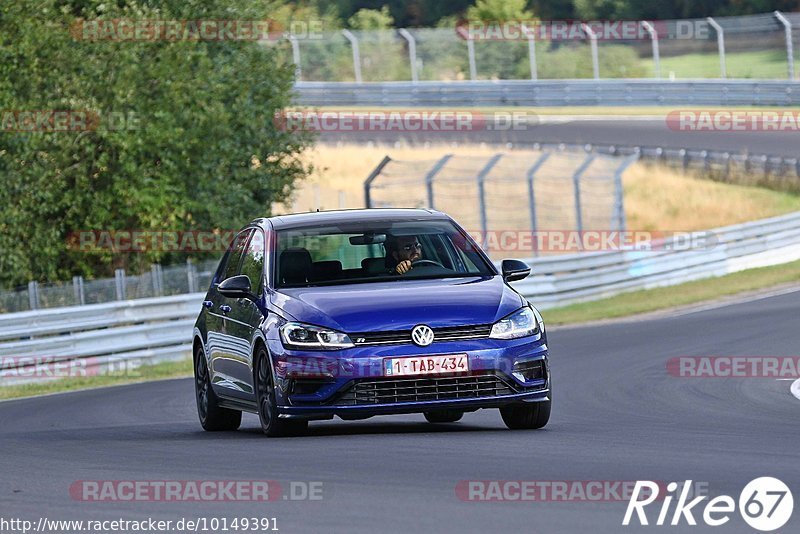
358,313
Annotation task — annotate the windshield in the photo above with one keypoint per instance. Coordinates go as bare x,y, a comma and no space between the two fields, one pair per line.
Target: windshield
375,251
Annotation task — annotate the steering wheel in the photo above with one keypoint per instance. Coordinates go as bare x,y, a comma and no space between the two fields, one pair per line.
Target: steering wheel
429,263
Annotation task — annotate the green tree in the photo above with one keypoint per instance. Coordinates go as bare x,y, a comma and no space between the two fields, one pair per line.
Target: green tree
199,149
499,10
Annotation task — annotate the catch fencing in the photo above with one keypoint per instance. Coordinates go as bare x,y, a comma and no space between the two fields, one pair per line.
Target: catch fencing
159,281
553,189
754,46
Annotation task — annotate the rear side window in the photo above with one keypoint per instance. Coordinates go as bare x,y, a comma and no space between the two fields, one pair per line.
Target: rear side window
253,262
235,252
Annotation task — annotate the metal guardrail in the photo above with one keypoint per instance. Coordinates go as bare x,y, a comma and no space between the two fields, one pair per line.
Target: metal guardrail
627,92
567,279
159,329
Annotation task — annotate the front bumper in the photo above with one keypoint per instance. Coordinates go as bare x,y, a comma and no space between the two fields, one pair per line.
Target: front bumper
350,383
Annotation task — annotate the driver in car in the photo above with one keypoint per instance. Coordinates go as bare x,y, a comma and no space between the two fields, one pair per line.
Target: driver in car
404,250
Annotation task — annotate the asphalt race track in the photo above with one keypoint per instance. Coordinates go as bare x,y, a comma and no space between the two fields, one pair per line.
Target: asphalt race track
623,131
618,416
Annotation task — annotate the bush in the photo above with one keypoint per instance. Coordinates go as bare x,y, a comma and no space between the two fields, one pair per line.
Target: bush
198,148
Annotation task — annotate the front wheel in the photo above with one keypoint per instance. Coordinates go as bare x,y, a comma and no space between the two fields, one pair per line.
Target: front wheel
526,416
212,417
271,424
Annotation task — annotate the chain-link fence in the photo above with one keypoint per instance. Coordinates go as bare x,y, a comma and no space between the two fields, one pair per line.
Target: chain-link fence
754,46
509,194
159,281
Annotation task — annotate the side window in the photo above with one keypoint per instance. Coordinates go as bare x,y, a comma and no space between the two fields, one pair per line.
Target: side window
253,262
235,254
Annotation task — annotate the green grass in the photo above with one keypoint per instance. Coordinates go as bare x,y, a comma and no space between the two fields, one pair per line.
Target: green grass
144,373
760,64
649,300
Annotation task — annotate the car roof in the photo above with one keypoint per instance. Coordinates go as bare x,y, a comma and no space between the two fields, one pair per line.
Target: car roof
296,220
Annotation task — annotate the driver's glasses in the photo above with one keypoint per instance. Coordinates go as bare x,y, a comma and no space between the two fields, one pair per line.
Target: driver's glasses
412,246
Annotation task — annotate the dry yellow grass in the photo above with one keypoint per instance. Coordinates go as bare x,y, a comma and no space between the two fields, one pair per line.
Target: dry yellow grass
656,197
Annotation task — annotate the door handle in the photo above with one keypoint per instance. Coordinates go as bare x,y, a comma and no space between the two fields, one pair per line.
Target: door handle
208,304
225,308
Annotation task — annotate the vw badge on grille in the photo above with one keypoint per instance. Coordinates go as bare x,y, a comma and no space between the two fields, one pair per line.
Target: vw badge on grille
422,335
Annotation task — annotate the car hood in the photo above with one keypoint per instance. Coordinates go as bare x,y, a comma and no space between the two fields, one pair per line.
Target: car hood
401,304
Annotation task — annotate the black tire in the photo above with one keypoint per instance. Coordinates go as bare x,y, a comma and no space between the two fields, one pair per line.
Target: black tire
271,424
212,417
526,416
444,416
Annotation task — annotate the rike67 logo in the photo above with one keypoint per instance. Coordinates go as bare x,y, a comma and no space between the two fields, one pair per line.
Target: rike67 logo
765,504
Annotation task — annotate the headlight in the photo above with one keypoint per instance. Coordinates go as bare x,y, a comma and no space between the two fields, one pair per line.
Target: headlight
521,323
306,336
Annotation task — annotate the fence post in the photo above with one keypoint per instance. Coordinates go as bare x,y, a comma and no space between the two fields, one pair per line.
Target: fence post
576,183
77,287
356,53
33,294
295,56
482,195
532,195
787,28
412,52
473,67
619,200
158,283
531,51
119,282
720,46
654,40
430,176
374,174
191,275
593,44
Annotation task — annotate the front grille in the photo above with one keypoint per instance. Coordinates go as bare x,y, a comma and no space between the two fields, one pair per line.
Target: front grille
393,391
450,333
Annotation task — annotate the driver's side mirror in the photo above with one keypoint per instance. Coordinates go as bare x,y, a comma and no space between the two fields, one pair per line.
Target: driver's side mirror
236,287
515,270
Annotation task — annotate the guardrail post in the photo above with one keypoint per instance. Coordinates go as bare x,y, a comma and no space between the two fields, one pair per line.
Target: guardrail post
356,53
654,41
619,200
727,157
593,44
119,282
482,195
412,52
430,176
531,51
684,154
158,282
720,46
191,275
295,56
33,294
576,183
531,174
787,28
374,174
77,288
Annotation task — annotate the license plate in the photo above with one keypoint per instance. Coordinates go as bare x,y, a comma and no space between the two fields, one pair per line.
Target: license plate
426,365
